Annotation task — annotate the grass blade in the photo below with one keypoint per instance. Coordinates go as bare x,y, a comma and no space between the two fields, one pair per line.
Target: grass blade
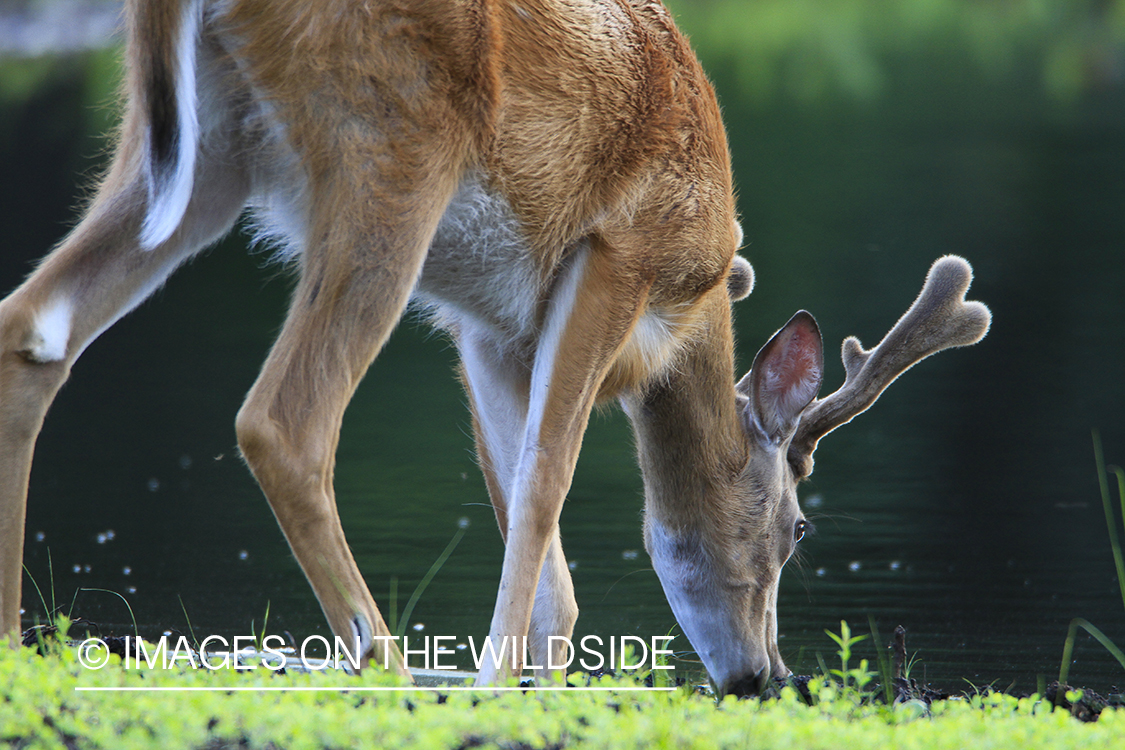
421,587
191,630
1120,496
392,605
1068,647
136,631
37,591
883,661
1111,524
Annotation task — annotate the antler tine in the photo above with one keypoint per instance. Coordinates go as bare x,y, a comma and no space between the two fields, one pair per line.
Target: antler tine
939,319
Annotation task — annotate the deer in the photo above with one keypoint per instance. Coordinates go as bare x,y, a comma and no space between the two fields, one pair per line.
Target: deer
549,182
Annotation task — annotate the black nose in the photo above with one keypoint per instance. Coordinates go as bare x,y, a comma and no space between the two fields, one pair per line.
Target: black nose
748,685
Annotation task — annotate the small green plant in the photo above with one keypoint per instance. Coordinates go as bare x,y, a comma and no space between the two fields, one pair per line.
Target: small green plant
1118,560
660,674
908,666
260,635
853,680
50,637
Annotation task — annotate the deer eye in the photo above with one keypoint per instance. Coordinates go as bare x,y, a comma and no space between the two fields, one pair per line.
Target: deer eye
799,530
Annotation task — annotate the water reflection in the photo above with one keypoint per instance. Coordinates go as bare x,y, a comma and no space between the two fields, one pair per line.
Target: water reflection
963,506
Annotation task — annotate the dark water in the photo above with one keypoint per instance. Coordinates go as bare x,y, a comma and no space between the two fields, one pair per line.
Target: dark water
964,506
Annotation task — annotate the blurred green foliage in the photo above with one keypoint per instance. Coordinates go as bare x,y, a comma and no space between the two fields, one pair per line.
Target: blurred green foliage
97,73
823,51
813,50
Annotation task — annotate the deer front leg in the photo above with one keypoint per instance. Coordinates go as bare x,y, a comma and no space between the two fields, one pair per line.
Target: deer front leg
498,384
592,311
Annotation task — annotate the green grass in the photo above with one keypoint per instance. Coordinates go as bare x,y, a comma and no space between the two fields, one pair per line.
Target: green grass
41,706
1118,560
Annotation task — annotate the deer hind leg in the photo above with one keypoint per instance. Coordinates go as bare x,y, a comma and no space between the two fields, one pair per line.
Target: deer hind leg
498,385
591,314
99,272
365,248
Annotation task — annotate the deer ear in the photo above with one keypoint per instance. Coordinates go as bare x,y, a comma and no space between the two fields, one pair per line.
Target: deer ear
784,380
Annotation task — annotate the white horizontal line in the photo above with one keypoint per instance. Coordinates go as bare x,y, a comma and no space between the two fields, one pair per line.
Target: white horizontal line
414,689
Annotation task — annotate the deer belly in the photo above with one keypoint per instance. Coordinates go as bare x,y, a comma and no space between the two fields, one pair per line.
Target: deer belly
480,273
479,266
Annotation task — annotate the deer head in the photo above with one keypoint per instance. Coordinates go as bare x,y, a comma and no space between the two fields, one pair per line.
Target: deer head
722,516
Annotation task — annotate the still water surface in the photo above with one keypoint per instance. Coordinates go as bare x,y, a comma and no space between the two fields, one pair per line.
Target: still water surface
964,506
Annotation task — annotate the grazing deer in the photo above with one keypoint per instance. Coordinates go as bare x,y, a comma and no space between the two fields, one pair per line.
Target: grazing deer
550,180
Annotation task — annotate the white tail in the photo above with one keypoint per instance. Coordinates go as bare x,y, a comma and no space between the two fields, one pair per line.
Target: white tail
551,181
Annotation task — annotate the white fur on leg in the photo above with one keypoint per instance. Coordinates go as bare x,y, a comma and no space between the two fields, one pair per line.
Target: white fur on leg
554,613
520,501
558,315
51,332
494,381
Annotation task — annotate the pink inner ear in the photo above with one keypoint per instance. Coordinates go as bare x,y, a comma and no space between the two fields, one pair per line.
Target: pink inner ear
793,374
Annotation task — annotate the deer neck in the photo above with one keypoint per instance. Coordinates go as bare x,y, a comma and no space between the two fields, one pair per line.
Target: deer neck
690,441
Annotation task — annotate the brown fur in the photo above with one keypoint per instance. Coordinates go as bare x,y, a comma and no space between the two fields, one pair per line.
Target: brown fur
590,119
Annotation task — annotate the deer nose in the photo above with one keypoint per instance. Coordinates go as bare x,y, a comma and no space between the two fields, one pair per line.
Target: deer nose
748,685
